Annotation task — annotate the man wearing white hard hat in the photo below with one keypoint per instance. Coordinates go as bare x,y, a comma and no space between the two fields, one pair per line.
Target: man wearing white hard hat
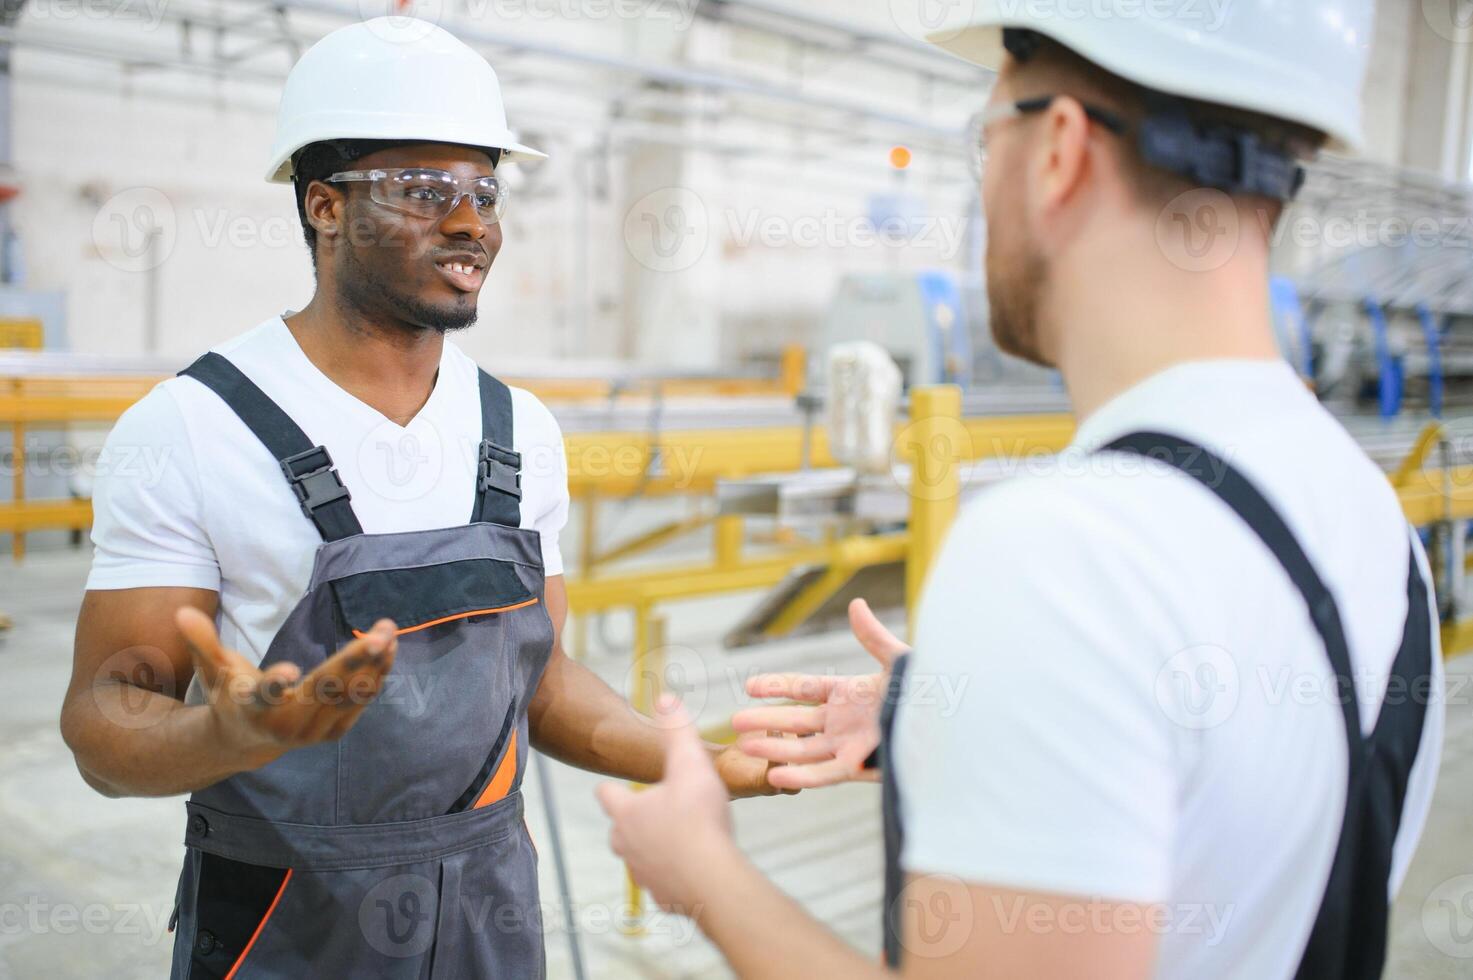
345,479
1201,724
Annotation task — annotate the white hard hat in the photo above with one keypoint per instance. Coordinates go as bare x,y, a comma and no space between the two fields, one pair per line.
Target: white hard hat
1303,61
391,78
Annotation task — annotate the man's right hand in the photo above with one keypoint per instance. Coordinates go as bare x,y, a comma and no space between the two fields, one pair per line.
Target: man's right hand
837,719
264,714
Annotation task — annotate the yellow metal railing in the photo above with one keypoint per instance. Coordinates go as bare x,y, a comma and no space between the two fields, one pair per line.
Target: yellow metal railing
24,333
606,464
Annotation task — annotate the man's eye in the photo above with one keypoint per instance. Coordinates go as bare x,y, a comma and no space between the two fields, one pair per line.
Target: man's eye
422,193
486,202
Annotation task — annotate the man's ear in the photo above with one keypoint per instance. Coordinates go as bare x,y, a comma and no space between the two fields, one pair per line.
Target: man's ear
325,206
1064,159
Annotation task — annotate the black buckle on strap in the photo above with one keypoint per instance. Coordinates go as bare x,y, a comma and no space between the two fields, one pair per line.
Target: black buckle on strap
314,480
499,469
1232,160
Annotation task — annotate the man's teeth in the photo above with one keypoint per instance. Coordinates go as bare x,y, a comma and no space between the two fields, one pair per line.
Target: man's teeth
464,268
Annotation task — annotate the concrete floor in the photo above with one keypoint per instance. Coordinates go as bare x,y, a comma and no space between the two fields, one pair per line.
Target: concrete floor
87,884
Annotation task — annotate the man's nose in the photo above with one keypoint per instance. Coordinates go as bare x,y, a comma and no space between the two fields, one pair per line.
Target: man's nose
464,220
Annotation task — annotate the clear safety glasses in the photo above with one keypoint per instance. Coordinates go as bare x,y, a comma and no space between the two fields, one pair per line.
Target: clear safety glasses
1003,111
429,193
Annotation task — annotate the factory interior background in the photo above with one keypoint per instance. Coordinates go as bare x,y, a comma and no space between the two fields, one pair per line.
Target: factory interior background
733,189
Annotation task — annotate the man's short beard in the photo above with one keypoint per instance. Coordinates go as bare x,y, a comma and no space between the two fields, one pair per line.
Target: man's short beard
362,290
1013,288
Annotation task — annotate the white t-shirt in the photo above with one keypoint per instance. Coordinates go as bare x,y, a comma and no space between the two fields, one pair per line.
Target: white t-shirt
1118,694
187,496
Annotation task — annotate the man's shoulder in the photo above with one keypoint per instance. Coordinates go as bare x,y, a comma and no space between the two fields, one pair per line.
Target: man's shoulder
164,413
1073,488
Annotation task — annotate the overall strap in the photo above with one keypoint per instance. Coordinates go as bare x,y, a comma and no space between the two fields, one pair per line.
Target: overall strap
498,467
1234,489
308,468
1349,935
890,811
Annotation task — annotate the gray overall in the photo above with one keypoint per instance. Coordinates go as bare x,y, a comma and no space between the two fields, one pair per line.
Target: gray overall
1348,938
399,850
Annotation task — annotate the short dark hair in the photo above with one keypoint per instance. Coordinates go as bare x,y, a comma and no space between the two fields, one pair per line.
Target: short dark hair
319,161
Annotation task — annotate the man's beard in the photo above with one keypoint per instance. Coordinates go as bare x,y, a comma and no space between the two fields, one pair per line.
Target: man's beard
370,293
1014,283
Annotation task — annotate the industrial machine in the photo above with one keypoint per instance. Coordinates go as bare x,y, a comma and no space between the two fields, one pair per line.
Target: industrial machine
919,319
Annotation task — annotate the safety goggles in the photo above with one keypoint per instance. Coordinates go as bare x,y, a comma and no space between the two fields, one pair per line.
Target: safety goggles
1003,111
427,193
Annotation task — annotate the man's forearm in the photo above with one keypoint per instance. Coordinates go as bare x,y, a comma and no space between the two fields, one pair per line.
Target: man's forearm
578,719
126,758
764,933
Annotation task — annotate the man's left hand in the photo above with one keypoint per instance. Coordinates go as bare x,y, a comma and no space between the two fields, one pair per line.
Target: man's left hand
745,775
669,833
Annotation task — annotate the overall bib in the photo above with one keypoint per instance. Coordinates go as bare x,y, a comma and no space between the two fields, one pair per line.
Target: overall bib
399,850
1348,939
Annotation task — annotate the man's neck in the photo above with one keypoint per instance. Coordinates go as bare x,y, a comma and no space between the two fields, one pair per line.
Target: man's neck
388,367
1128,315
